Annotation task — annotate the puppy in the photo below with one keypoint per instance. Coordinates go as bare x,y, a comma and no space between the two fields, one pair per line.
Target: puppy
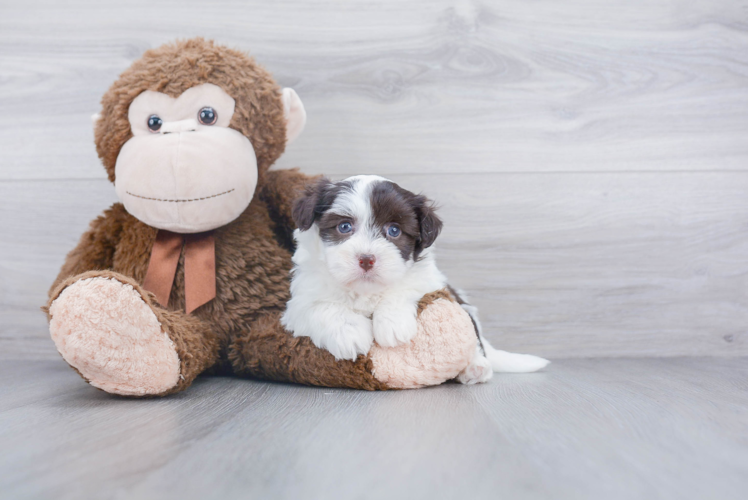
363,261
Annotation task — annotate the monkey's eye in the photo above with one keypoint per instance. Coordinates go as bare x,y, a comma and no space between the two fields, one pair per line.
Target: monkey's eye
393,231
154,123
345,227
207,116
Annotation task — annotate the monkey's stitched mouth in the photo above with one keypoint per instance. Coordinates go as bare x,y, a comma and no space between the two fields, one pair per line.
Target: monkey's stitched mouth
180,201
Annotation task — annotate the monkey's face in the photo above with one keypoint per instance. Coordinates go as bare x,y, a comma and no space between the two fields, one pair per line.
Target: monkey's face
184,169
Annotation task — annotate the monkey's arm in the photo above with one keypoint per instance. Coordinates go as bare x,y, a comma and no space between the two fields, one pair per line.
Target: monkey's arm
95,250
279,192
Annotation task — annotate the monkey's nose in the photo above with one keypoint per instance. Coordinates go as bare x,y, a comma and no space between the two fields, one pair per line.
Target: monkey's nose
188,125
366,261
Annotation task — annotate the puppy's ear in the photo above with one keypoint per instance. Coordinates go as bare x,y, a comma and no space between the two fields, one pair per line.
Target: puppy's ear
305,208
431,224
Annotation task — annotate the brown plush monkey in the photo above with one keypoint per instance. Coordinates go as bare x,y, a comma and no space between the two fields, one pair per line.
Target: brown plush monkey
190,272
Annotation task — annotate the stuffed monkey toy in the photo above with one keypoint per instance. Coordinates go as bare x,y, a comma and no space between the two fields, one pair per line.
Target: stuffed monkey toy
190,272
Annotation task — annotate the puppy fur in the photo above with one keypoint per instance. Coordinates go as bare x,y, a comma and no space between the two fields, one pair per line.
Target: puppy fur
363,261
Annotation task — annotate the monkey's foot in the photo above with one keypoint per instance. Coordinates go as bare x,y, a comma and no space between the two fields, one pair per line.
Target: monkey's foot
444,345
105,330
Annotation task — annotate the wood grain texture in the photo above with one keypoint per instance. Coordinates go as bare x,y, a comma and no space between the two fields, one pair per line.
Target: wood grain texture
584,429
417,86
590,157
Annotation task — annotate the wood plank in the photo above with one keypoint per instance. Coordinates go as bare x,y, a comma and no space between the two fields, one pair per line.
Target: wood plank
560,264
422,86
583,429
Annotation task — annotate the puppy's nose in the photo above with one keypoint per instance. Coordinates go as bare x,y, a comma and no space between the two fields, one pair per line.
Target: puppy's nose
366,261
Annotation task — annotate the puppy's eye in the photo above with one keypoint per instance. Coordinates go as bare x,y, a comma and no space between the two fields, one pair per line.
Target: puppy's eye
207,116
154,123
393,231
345,227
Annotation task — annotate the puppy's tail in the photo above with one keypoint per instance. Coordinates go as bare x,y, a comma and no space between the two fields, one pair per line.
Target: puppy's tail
509,362
501,361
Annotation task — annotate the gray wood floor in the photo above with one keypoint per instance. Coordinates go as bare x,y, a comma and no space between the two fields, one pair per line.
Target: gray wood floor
609,429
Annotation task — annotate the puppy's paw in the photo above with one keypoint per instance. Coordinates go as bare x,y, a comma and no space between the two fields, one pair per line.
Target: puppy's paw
478,371
394,325
350,338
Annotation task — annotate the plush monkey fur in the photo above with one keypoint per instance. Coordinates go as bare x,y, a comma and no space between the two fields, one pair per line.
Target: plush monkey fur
238,331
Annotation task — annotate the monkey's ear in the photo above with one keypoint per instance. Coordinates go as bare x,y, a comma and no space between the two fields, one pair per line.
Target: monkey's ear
95,119
293,111
305,208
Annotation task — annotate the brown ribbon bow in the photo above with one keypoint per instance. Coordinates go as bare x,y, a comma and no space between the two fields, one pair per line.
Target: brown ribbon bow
199,267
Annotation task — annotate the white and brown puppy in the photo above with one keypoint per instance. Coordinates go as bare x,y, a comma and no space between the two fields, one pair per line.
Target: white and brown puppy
362,263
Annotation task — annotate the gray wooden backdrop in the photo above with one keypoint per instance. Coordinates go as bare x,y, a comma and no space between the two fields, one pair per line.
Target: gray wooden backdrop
589,156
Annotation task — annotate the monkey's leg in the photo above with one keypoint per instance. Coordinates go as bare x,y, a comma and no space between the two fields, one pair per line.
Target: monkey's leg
116,337
268,351
444,345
